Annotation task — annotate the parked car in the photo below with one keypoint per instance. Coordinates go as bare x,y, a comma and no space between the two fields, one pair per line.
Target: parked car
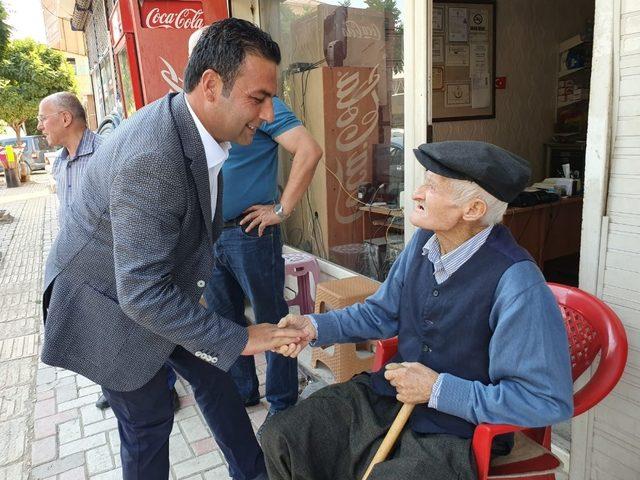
35,147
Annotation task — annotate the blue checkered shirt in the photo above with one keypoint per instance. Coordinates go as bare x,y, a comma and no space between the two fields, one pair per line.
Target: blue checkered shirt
446,265
68,171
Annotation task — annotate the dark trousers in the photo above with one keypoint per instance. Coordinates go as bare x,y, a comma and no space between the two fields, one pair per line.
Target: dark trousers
335,433
252,267
145,419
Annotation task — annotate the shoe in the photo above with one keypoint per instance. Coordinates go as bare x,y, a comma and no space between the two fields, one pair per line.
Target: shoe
175,399
102,403
252,402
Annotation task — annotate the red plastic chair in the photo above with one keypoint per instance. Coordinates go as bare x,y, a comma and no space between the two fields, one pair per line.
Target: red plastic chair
592,328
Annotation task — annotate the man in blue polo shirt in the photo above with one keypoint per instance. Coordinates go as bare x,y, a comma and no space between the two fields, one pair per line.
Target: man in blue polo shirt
248,253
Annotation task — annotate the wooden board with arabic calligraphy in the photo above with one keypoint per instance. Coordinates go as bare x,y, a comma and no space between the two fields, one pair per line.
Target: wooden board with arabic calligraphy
351,122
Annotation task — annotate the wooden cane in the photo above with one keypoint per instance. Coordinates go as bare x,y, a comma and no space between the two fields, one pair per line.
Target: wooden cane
394,431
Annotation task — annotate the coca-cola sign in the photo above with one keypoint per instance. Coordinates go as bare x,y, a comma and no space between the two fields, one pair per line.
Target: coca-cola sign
170,77
176,15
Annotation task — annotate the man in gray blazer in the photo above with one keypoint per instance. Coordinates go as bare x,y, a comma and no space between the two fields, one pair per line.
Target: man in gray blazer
127,270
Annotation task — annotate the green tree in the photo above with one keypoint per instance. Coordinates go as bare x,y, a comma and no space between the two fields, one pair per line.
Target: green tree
29,72
394,30
31,126
5,31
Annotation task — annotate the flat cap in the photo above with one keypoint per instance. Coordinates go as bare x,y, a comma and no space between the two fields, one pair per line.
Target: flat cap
501,173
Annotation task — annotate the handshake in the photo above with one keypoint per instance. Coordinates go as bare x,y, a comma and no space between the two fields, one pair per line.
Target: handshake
288,338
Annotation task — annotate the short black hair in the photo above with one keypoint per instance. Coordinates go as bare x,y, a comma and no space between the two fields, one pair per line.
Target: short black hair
223,47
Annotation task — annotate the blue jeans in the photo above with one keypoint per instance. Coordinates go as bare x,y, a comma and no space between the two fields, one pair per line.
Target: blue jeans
145,419
171,377
253,267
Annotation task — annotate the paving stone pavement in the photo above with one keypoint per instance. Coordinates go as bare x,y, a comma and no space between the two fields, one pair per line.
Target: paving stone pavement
49,426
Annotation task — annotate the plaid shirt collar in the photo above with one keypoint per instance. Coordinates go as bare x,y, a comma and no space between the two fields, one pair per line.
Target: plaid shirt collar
85,147
446,265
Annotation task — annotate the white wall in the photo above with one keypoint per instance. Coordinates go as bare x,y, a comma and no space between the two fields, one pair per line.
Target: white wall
614,450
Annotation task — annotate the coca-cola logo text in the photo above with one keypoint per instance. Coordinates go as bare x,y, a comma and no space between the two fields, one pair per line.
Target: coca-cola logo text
187,18
170,76
353,131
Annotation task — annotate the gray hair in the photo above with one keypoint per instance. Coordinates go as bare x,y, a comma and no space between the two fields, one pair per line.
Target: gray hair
68,102
464,191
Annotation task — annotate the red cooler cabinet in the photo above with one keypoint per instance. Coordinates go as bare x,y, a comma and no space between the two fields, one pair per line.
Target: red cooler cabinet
149,39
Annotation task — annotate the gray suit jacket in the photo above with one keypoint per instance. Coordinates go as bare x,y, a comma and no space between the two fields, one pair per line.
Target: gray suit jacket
124,276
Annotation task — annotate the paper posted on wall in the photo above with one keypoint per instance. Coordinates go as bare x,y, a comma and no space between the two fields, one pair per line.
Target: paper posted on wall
457,55
480,91
479,58
458,26
457,95
438,50
438,19
478,25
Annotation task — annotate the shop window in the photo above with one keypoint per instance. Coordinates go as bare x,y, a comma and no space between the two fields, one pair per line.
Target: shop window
342,73
108,85
97,89
72,62
127,84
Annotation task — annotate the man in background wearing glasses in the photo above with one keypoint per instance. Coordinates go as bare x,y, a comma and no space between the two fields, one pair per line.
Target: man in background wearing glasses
62,119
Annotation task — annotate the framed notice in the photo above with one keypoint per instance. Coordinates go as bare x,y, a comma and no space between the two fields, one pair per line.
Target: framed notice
438,78
457,95
438,19
464,60
438,50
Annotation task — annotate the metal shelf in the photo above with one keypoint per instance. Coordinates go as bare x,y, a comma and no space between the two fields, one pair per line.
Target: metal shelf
566,104
565,73
570,43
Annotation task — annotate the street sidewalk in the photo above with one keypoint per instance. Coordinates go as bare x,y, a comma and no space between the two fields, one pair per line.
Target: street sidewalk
50,428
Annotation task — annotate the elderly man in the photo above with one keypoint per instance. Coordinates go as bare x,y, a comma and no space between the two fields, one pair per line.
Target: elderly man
481,338
62,120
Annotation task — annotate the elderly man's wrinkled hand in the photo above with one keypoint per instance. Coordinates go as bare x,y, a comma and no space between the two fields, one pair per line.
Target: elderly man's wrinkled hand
300,322
413,381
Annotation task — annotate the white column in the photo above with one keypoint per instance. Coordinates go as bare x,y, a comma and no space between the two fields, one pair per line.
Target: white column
417,85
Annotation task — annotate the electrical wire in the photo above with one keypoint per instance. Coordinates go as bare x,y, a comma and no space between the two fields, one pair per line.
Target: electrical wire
317,235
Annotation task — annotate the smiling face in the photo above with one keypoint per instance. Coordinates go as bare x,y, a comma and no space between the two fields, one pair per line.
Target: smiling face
234,116
435,207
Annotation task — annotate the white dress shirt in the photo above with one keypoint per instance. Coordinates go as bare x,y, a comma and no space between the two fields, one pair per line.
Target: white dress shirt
215,153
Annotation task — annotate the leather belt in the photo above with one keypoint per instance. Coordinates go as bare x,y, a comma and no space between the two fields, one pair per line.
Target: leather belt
234,222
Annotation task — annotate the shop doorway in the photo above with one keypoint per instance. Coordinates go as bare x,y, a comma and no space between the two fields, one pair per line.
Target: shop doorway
516,74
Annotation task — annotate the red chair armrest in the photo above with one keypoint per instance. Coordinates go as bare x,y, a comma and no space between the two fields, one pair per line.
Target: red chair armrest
385,349
482,440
